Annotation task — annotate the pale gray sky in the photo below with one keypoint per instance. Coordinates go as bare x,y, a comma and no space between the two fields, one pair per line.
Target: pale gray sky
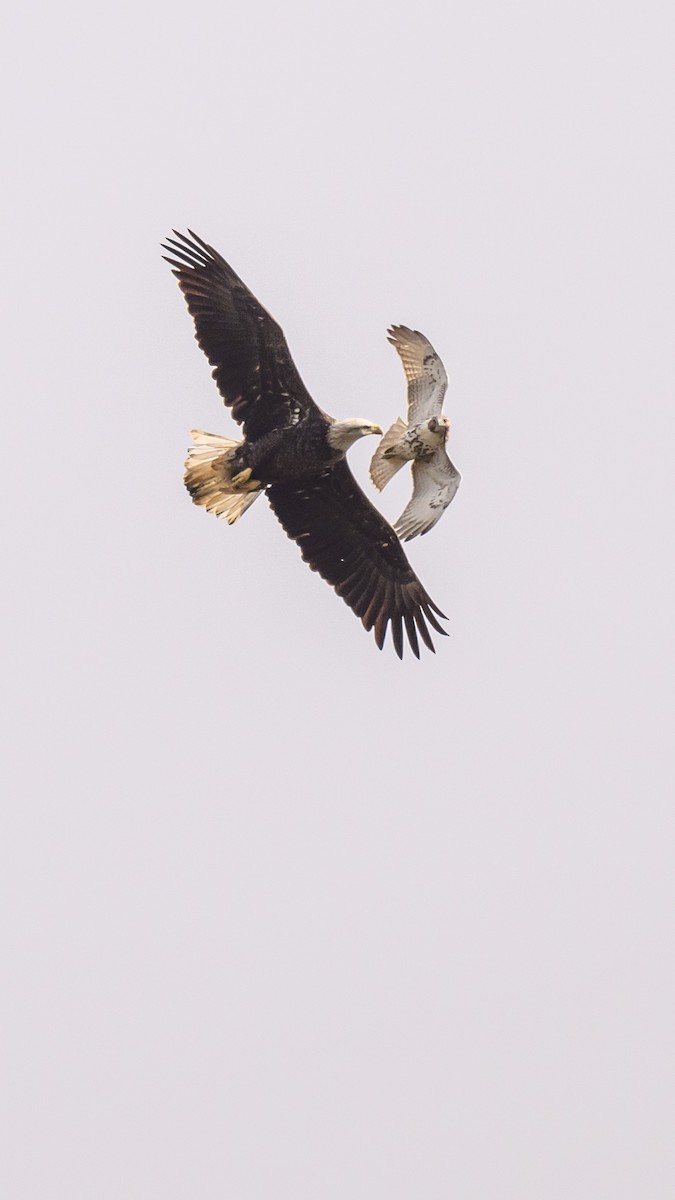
285,917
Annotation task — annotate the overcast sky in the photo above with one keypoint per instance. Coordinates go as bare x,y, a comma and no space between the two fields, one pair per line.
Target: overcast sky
285,917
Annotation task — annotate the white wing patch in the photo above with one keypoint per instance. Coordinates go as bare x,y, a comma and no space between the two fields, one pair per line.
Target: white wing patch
424,371
434,485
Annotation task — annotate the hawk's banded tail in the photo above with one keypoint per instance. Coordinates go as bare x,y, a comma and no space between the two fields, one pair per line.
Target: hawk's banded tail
385,461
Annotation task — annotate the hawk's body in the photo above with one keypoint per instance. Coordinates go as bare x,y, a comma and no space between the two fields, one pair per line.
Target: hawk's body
422,440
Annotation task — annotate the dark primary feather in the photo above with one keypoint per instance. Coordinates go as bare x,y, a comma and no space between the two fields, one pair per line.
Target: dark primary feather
343,537
253,368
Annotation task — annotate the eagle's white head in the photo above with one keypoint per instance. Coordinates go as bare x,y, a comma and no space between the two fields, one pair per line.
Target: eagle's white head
343,434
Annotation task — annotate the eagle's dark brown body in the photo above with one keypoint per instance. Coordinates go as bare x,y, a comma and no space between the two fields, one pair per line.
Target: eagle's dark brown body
293,452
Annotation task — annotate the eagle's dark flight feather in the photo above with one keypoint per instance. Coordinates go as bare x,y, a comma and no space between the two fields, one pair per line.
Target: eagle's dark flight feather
343,537
253,368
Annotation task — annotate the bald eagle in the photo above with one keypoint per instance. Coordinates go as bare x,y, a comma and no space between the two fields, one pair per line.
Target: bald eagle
422,440
292,451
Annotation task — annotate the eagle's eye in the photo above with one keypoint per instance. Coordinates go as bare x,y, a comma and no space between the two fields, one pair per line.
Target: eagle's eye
432,424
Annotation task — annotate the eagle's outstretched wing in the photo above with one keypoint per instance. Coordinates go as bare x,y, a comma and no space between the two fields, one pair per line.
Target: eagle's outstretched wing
253,368
427,379
434,485
343,537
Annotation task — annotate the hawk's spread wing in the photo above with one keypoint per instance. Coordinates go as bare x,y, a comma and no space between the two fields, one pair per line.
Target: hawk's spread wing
434,485
253,368
427,380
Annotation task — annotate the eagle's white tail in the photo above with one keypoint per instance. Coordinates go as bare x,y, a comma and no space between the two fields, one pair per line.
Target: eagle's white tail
385,462
208,477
